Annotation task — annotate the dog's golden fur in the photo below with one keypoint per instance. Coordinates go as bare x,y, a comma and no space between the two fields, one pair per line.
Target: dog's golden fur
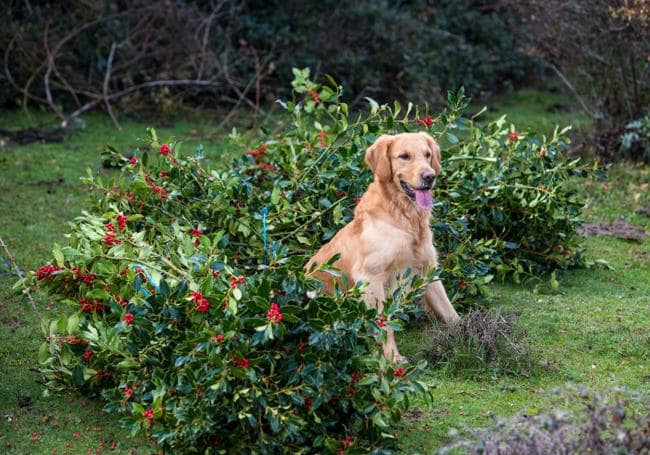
390,232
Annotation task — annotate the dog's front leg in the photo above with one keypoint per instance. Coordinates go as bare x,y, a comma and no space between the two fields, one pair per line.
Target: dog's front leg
437,302
374,297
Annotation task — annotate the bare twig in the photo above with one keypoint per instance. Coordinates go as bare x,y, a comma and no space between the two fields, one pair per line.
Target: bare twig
46,78
233,86
107,78
11,79
243,95
20,275
206,37
575,93
28,5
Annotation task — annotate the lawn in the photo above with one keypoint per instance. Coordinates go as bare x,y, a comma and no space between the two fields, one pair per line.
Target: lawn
595,331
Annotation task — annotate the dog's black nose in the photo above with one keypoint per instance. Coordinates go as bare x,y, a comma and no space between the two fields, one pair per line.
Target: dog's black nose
428,178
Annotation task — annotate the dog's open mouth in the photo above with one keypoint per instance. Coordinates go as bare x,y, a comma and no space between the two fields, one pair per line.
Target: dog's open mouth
421,196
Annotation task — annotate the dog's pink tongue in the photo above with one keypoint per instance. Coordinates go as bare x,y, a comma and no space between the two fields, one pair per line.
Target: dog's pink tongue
424,199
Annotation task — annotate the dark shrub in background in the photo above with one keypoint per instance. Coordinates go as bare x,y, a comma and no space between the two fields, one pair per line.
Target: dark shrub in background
245,49
389,49
600,49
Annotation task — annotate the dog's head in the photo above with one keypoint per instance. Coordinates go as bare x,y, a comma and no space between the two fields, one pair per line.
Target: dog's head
409,161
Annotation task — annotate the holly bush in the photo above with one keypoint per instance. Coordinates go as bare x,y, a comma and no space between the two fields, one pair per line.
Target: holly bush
183,298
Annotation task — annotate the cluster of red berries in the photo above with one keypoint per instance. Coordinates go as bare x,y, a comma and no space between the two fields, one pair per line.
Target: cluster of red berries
235,280
109,238
381,321
47,271
201,303
426,121
155,189
197,233
268,167
243,363
128,318
274,315
165,150
315,96
258,153
121,221
148,414
345,443
90,306
88,278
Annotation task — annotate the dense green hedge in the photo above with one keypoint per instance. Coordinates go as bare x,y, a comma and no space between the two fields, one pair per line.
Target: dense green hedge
183,296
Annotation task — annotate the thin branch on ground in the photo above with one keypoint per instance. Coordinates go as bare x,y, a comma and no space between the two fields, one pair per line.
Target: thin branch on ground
21,276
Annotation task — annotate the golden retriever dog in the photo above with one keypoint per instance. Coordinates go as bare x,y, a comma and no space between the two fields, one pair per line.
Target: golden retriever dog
391,229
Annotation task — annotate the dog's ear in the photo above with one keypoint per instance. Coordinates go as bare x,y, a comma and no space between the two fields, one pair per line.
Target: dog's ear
435,154
378,160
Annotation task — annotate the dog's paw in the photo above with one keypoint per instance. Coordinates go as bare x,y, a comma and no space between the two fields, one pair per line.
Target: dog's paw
401,360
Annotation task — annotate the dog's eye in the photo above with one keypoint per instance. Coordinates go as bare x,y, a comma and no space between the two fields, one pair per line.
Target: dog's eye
405,156
427,155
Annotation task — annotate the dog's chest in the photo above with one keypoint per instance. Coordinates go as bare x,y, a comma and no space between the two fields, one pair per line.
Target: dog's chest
397,249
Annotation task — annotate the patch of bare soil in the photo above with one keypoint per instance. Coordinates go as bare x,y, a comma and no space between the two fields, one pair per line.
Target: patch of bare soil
620,229
413,415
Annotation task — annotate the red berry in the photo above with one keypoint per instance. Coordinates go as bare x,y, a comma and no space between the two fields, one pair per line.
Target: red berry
128,318
165,150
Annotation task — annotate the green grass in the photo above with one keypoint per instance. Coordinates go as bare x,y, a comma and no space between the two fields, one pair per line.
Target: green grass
595,332
530,109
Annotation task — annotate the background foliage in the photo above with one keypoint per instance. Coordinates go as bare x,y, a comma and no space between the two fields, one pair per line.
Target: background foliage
238,53
245,49
601,51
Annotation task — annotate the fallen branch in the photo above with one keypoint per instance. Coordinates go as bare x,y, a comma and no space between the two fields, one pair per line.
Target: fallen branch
114,96
29,135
